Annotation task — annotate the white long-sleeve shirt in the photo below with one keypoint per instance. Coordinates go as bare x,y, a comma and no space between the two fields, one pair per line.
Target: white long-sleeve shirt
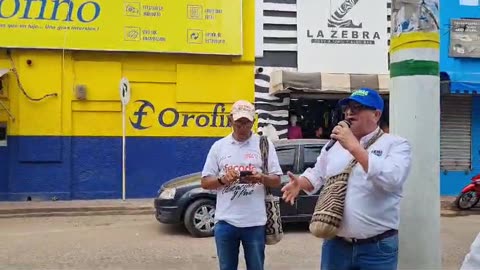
372,203
472,259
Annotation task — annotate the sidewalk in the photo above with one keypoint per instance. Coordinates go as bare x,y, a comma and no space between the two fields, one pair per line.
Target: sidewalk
449,210
131,207
76,208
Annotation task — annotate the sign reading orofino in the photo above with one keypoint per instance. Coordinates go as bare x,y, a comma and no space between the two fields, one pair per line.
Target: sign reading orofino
342,36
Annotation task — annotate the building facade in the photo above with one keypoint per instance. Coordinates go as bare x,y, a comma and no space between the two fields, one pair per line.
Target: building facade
280,78
460,106
61,114
292,65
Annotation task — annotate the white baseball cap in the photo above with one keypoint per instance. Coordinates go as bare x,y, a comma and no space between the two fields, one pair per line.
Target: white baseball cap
243,108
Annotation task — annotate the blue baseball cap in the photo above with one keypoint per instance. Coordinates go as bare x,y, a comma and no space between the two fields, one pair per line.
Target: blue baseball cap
365,96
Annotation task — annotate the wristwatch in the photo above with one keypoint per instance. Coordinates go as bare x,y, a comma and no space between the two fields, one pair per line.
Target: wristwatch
219,179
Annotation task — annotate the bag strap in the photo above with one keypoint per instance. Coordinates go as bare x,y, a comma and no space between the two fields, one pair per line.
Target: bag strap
367,145
264,153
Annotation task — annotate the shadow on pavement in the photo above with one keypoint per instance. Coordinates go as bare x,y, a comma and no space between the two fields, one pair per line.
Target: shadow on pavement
180,230
301,227
172,229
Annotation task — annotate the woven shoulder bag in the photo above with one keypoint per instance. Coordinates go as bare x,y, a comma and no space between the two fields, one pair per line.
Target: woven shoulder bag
273,227
328,214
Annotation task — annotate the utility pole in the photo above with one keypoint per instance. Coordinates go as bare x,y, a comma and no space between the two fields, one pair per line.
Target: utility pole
415,115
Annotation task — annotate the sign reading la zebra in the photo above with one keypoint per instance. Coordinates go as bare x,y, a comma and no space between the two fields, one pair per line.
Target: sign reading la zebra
342,36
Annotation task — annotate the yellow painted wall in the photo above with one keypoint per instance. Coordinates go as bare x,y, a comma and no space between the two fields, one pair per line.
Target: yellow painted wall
192,84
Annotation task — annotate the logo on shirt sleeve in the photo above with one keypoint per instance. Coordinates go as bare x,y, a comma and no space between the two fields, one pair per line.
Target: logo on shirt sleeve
377,152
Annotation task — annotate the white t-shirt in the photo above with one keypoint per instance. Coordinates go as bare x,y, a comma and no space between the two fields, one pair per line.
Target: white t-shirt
241,205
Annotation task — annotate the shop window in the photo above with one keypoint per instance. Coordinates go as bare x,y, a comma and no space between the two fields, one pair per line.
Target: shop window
3,135
286,158
314,113
310,155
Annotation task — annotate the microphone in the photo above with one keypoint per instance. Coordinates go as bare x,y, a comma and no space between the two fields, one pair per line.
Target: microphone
333,141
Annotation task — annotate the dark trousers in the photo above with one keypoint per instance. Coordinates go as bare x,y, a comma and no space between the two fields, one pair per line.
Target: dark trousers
338,254
228,239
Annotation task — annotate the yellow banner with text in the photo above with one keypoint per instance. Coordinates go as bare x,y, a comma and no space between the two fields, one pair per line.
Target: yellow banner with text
180,26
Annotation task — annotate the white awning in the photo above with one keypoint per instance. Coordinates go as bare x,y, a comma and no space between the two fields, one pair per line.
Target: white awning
282,81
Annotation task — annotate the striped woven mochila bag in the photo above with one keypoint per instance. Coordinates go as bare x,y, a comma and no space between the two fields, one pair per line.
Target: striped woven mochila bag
328,214
273,227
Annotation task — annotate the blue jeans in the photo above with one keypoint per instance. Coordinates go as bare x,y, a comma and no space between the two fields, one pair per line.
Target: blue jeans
228,238
338,254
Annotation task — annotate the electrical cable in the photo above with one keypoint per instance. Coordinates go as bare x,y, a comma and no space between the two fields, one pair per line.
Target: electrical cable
14,70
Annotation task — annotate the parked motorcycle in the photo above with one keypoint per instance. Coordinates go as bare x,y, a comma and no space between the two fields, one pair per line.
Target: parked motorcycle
470,194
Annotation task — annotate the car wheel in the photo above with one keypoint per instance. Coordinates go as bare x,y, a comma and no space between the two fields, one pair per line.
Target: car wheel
199,218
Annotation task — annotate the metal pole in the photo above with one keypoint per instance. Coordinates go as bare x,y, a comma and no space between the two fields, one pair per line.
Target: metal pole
123,151
415,115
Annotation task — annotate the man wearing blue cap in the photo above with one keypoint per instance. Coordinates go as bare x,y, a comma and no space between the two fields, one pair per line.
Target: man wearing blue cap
367,237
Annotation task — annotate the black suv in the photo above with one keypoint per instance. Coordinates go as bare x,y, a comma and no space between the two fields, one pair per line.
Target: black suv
183,200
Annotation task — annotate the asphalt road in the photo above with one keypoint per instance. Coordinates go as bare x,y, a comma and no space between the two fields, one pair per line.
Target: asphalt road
139,242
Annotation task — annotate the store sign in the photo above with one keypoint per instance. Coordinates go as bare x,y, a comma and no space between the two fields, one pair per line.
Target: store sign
342,36
181,26
170,117
464,38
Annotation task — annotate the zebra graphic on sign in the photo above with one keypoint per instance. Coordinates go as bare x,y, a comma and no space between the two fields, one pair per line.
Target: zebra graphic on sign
271,110
280,51
337,18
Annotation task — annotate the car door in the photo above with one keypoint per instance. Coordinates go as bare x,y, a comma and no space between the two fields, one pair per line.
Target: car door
308,158
287,155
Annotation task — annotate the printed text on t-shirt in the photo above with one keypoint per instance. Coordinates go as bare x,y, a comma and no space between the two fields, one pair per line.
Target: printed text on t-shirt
239,189
249,167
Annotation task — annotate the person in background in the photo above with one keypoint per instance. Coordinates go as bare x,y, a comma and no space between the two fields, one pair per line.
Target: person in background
294,131
240,214
319,133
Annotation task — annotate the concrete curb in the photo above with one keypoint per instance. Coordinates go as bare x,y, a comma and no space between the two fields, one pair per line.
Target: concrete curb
91,212
448,209
76,208
459,213
72,209
132,207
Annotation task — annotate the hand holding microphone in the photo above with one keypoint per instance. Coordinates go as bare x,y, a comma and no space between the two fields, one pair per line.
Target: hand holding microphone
334,131
344,136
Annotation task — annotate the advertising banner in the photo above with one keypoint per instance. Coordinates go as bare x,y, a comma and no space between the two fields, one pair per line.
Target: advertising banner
342,36
180,26
464,38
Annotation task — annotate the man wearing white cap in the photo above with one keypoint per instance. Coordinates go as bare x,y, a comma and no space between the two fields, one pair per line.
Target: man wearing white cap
240,214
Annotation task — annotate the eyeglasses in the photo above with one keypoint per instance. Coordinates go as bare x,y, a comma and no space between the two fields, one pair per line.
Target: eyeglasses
356,107
241,124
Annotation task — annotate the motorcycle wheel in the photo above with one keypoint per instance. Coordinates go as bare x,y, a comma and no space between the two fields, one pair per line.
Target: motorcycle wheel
467,200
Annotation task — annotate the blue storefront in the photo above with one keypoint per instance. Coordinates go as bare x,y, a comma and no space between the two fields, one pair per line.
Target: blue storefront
460,102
